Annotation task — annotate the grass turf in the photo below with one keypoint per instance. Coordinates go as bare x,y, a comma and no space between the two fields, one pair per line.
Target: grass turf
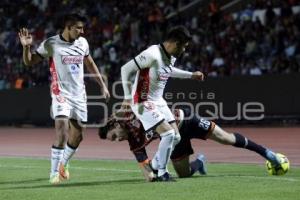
26,178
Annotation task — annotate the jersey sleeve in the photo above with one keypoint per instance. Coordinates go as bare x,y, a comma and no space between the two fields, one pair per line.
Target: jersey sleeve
87,51
178,73
140,155
145,59
43,49
126,71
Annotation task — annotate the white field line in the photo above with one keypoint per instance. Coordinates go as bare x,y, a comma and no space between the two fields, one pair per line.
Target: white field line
137,171
75,168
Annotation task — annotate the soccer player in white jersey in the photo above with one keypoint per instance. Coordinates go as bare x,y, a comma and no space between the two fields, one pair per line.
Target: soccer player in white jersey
153,67
67,53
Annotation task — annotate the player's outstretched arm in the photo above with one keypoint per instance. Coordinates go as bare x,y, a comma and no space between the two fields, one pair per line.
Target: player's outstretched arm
26,40
92,68
178,73
144,163
147,171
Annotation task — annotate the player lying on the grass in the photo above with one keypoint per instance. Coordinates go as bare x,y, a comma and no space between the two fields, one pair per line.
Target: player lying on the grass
129,128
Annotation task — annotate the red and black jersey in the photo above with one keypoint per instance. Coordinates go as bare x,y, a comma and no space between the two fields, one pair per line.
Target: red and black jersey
192,127
137,137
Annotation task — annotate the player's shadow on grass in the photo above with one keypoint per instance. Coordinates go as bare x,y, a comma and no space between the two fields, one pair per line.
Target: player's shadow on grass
23,181
81,184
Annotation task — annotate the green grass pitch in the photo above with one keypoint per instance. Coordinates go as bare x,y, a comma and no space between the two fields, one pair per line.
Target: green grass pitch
27,178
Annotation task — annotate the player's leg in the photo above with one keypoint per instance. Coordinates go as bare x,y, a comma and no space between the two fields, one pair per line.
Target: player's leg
184,168
74,139
180,158
240,141
177,136
170,118
165,146
61,130
60,112
152,119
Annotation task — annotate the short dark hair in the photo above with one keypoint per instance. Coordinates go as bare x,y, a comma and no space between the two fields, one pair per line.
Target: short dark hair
71,19
178,34
102,132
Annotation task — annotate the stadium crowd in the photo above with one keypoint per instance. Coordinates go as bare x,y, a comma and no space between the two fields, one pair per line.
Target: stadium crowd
223,45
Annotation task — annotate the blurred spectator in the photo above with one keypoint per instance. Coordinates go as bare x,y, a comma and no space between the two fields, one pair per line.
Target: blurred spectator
254,69
2,82
218,64
19,82
117,30
246,15
215,13
270,15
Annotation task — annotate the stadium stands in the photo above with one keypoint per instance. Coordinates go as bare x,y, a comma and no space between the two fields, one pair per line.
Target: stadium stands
223,44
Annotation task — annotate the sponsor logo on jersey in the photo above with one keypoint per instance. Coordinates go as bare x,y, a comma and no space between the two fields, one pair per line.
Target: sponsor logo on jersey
67,60
142,58
74,69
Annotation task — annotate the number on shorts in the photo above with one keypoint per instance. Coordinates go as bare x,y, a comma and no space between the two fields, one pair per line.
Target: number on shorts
204,124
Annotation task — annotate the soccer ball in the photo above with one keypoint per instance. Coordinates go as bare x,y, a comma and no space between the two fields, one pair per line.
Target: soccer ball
282,169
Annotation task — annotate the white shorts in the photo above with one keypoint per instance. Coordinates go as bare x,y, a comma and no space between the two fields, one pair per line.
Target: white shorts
65,107
152,113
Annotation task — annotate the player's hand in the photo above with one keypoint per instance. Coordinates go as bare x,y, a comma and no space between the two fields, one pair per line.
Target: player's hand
198,76
148,173
106,94
25,37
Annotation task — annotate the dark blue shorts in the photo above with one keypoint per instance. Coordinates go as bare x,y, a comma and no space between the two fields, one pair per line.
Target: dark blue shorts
195,128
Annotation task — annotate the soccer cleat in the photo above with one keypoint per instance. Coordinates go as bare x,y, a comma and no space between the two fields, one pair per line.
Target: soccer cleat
271,156
54,179
166,177
202,164
64,171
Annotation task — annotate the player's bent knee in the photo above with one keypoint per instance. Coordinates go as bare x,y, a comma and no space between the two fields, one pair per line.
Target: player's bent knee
177,139
183,173
169,134
182,167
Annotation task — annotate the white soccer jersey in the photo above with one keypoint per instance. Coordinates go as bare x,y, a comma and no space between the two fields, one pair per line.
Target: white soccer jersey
66,66
156,67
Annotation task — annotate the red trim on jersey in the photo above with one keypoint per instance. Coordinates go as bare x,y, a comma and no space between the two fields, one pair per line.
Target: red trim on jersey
142,88
54,79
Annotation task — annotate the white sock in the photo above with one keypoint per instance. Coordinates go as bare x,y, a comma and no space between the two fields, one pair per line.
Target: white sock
164,151
67,155
56,156
154,161
177,139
